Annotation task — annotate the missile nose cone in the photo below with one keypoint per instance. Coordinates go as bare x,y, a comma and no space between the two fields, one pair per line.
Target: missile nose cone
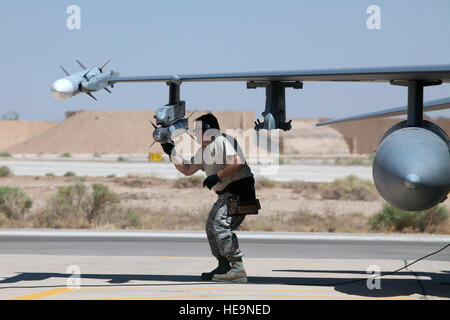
411,181
161,135
62,89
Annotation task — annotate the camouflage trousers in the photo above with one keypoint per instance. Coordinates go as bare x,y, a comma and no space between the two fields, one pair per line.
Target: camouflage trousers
219,230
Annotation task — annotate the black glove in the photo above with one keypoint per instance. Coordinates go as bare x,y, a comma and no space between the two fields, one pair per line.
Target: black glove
167,147
211,181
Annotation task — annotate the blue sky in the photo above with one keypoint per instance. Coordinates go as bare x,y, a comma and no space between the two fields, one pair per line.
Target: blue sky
161,37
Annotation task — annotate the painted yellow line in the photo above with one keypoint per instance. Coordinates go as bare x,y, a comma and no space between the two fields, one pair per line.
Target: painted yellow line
43,294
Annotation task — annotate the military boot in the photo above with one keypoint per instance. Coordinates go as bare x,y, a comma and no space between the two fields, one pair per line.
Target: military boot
236,274
223,267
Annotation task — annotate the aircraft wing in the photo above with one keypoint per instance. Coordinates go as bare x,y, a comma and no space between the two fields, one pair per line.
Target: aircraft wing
275,82
374,74
433,105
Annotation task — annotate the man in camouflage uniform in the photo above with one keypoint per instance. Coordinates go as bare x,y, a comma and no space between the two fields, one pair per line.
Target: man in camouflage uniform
227,173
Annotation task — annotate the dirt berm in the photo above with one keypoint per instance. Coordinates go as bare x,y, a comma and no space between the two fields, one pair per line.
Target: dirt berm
130,132
110,132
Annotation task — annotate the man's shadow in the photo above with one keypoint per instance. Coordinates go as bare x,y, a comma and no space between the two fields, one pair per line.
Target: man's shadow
431,284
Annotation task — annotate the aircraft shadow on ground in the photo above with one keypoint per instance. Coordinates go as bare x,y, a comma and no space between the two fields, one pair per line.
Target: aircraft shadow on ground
430,284
422,283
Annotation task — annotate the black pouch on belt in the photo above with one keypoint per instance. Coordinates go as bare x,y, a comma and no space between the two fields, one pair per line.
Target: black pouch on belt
236,206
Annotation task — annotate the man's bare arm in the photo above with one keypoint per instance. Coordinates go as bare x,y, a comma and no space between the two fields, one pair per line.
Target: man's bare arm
230,169
186,169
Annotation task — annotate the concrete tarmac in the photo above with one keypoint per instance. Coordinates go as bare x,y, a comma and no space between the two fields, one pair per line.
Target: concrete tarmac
310,173
77,264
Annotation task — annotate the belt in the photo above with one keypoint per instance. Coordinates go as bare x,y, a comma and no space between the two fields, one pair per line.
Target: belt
246,183
221,192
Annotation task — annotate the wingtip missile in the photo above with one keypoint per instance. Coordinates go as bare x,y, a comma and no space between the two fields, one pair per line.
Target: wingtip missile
87,81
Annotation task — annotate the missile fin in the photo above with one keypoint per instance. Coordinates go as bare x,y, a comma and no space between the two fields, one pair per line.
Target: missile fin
85,75
80,64
65,71
104,65
91,95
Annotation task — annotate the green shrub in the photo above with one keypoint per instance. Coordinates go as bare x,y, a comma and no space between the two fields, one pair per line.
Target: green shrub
122,159
4,171
349,188
132,219
14,203
65,155
357,162
68,199
77,206
102,198
353,161
65,209
70,174
5,154
394,219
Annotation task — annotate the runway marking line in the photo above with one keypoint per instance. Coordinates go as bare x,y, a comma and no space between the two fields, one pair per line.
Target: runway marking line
43,294
52,292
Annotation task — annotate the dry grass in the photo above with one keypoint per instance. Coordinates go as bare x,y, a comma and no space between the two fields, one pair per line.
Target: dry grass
366,161
265,183
348,188
183,204
138,182
310,190
188,182
300,221
186,219
304,221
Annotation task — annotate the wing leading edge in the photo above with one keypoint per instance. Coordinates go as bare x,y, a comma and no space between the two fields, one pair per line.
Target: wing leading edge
433,105
374,74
